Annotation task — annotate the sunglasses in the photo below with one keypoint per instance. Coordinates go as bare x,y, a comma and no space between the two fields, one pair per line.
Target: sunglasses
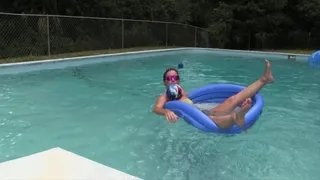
169,78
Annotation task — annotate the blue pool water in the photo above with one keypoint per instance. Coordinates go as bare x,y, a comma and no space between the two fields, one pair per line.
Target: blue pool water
104,112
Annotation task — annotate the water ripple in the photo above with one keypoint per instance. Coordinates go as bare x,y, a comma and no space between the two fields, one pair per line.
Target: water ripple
104,112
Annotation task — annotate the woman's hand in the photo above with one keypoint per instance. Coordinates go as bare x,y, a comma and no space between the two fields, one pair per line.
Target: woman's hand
171,116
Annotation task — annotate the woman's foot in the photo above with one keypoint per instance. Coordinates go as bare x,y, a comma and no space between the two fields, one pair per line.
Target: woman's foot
239,117
267,77
247,101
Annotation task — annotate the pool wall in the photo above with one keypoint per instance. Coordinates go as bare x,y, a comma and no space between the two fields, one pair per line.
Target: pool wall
12,68
257,54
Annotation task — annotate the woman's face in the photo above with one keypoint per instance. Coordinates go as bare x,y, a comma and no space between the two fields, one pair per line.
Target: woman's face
171,78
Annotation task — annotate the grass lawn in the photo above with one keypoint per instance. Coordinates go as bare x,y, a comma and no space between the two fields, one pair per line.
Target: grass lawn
77,54
293,51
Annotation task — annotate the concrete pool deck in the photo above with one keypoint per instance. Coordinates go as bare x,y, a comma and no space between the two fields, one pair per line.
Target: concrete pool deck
56,164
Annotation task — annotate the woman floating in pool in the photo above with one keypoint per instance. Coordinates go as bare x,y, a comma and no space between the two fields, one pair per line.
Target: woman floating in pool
222,115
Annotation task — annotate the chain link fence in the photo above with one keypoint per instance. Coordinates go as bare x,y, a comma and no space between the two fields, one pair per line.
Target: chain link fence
23,35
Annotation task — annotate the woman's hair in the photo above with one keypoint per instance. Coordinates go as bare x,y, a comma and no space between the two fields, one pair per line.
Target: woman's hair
167,70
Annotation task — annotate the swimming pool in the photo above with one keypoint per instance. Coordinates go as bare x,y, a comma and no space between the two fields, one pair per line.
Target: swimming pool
104,112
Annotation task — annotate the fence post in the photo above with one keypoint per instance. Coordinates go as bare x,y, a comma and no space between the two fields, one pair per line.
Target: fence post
208,40
166,34
48,35
195,37
122,39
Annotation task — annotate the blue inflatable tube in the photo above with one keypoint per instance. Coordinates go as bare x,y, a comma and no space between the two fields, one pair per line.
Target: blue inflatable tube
314,59
214,94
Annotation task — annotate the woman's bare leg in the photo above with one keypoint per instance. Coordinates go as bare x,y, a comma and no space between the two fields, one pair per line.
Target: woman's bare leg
231,103
228,121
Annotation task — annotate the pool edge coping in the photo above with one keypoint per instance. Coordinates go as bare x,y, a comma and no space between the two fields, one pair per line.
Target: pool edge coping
85,57
141,52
